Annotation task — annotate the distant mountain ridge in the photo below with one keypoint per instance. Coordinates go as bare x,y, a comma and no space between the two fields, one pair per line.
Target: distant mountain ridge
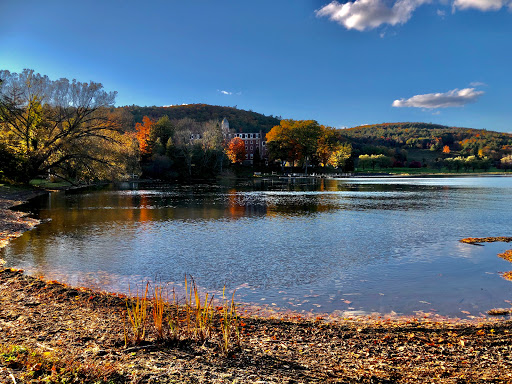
426,135
239,119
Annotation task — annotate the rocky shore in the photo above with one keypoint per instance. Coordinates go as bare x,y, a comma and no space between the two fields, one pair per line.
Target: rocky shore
14,223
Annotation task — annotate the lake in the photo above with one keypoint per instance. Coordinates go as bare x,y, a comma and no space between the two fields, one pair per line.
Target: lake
344,246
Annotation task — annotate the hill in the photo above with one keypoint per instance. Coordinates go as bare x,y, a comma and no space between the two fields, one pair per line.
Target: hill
434,137
240,120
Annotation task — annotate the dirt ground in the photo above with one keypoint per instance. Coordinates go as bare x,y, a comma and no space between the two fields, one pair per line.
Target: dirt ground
78,335
52,333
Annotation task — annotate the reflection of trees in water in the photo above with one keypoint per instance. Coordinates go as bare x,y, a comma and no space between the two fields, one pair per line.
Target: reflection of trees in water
76,218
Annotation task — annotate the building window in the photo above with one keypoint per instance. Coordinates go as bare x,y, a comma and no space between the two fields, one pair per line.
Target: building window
251,155
251,148
246,156
263,143
246,147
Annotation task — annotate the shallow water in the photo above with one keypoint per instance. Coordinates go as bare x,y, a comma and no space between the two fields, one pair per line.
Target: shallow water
348,246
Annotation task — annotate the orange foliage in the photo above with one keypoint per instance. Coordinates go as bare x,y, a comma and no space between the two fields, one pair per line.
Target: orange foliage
236,150
142,135
446,149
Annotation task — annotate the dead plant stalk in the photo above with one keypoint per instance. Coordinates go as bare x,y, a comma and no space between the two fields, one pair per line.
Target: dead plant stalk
137,315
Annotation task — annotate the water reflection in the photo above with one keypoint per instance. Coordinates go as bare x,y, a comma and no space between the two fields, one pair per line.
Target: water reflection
390,243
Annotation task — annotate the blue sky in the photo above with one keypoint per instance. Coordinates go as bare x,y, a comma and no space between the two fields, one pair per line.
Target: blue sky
343,64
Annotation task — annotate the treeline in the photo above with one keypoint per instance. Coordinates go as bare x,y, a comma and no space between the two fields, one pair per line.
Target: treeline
239,120
374,139
384,146
70,130
180,149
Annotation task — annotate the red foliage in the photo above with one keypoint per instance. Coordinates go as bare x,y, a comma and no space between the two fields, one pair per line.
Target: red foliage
142,135
236,150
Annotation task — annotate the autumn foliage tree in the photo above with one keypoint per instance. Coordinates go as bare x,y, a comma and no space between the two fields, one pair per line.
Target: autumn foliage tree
60,127
235,150
143,135
294,140
340,154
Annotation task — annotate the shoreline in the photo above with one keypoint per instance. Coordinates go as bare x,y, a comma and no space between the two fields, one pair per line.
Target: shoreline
51,331
14,223
78,334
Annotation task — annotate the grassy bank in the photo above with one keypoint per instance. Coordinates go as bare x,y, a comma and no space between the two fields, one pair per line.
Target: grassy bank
431,171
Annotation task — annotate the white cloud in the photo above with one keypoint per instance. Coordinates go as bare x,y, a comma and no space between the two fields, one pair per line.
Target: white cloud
477,84
229,92
369,14
454,98
482,5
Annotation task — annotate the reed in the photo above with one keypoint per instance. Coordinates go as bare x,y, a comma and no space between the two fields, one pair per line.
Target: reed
137,315
158,312
194,319
229,322
199,316
173,318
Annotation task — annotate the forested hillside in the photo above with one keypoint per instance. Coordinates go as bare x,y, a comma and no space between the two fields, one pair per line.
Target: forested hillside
434,137
239,120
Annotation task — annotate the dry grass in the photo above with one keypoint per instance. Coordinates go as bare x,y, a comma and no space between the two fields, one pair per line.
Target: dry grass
199,317
158,312
136,309
193,319
36,366
229,322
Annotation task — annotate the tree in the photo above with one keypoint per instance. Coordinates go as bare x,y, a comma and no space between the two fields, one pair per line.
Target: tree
183,145
54,126
328,143
236,150
364,161
446,149
294,141
506,162
339,157
163,129
143,134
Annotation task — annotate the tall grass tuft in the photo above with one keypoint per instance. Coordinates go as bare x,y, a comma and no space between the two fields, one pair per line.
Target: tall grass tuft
199,316
229,322
158,312
137,315
173,319
194,319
